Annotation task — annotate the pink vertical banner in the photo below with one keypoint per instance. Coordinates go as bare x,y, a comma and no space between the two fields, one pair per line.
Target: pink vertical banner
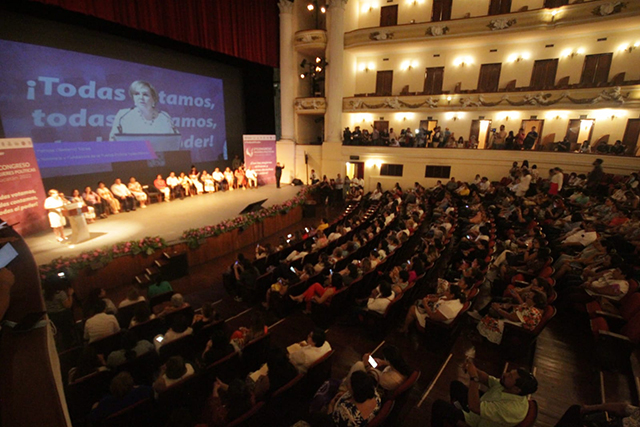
21,192
260,155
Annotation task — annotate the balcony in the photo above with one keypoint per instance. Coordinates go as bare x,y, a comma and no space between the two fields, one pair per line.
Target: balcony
311,42
594,13
310,106
598,97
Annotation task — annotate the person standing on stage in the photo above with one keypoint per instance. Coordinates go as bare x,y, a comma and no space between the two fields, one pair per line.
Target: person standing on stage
53,204
279,168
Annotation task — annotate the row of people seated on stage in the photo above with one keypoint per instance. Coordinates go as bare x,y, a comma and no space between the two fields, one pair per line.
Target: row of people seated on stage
195,183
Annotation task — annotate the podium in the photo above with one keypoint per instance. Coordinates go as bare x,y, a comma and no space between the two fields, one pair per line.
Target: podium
75,213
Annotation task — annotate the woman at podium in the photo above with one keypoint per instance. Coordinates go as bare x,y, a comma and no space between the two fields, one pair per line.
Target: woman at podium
53,204
144,117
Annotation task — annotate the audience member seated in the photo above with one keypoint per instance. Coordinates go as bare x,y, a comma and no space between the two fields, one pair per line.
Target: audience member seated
141,314
175,187
123,393
390,372
206,317
162,187
122,193
359,405
101,324
319,293
88,363
137,191
229,402
92,199
243,335
442,308
305,353
131,348
527,314
177,303
106,195
133,297
277,372
171,372
159,286
217,348
380,298
179,328
505,402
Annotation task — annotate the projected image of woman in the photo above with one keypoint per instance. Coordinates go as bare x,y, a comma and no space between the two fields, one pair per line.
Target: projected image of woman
144,117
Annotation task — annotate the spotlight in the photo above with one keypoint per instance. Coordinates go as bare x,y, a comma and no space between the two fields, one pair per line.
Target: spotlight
310,7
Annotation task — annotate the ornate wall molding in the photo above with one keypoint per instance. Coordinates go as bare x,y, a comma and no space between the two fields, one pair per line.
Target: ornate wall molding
609,8
286,6
310,105
613,96
501,24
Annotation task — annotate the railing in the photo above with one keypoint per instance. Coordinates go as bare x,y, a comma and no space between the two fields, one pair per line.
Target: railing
598,97
581,13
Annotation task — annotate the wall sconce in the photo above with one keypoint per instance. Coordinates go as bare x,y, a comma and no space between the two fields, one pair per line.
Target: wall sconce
554,12
366,8
366,67
628,47
449,99
462,61
408,65
569,53
517,57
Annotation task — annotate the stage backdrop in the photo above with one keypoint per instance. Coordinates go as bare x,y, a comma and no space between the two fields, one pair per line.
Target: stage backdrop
260,155
59,96
21,192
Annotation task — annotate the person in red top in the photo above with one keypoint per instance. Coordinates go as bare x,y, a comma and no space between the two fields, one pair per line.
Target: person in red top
162,187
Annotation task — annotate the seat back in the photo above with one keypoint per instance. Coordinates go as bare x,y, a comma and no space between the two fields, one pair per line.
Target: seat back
382,416
631,306
125,314
254,354
160,298
319,372
183,312
190,393
201,337
406,385
149,329
250,418
142,368
182,346
136,415
82,394
548,314
632,329
108,344
227,368
532,415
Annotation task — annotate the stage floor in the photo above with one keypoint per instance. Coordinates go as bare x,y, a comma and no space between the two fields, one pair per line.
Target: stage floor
167,220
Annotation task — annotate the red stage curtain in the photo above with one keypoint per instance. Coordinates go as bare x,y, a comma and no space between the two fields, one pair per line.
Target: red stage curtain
246,29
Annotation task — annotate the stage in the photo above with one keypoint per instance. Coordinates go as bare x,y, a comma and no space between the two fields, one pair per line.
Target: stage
167,220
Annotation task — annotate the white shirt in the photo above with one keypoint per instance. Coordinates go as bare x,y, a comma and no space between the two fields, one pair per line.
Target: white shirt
585,238
217,176
120,190
523,186
379,304
173,181
307,355
99,326
130,120
558,178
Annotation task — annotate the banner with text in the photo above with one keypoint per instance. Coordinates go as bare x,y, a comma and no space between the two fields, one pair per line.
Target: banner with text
22,195
260,155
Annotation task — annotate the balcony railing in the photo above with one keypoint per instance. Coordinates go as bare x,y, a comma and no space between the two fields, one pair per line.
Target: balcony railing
311,105
311,42
598,97
581,13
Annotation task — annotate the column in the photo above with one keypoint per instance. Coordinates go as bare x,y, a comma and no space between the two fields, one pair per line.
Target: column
332,162
333,86
286,144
